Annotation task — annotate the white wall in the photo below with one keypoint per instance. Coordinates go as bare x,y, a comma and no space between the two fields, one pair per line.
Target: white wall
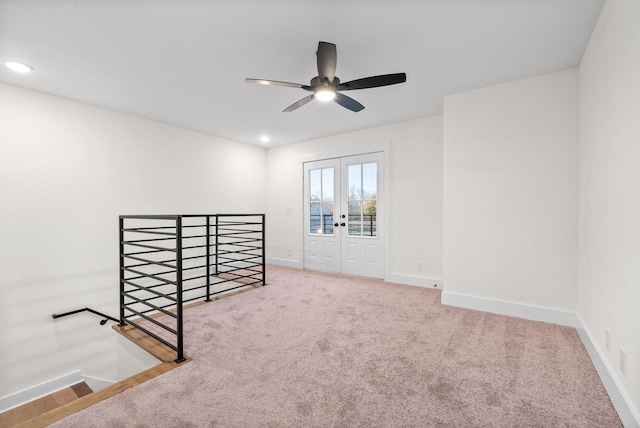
67,170
609,216
415,195
510,191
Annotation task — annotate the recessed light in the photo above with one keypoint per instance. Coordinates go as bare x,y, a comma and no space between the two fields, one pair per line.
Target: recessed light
264,139
17,66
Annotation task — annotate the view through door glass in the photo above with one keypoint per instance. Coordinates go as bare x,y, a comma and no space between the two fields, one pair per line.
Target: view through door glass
362,199
321,201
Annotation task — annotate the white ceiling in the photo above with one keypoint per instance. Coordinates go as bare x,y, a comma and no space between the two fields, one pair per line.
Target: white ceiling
184,62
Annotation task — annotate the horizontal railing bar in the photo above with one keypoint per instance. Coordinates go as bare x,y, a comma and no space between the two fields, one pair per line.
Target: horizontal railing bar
146,264
174,216
149,299
149,246
195,277
134,229
152,217
137,241
196,267
156,273
143,252
148,275
194,246
151,262
224,246
237,258
239,276
155,336
237,215
242,244
160,262
150,231
149,289
243,251
229,259
249,268
150,319
146,302
244,240
221,291
196,257
237,232
168,296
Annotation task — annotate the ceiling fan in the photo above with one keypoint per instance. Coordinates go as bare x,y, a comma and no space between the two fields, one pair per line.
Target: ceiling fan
326,86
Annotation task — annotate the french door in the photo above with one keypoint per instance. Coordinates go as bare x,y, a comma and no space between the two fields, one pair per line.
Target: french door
343,231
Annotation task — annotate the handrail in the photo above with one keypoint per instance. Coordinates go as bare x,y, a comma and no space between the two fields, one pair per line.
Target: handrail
103,322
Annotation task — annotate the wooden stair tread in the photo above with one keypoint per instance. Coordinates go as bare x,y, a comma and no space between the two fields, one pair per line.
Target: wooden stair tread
44,404
81,389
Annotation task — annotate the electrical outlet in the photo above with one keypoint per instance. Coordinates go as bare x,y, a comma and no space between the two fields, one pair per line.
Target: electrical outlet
420,267
623,361
288,253
288,210
607,339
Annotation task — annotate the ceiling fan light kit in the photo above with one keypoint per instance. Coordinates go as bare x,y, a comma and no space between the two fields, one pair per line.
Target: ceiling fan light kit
327,87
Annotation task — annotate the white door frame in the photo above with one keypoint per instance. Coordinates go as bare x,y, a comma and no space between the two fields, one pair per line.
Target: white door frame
385,148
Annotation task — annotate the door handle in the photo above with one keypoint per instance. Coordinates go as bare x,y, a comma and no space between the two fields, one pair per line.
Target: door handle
336,224
343,224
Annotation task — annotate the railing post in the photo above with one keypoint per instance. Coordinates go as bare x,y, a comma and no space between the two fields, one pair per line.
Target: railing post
208,298
264,270
215,259
371,225
121,224
180,344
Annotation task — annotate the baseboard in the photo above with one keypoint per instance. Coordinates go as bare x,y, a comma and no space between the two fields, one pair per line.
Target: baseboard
418,281
624,406
296,264
518,310
629,415
26,395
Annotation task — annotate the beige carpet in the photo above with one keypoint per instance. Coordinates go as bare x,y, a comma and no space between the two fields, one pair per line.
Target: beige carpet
324,350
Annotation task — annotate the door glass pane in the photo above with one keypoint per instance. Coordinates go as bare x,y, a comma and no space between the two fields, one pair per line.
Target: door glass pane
355,218
369,218
327,184
363,194
315,217
321,194
355,181
327,217
369,180
315,185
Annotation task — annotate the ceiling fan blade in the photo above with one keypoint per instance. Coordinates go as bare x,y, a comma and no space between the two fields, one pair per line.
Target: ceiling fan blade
327,59
299,103
373,82
274,83
348,102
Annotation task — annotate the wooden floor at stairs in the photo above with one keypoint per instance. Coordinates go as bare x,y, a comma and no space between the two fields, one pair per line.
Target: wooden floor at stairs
42,405
165,354
71,401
